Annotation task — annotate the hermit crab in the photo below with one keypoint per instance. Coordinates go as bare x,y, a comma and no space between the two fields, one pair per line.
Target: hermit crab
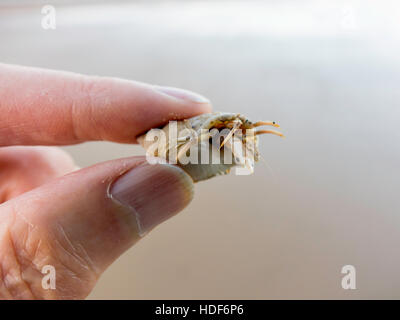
209,144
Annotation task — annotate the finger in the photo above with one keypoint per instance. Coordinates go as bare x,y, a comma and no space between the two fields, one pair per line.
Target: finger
25,168
82,222
57,108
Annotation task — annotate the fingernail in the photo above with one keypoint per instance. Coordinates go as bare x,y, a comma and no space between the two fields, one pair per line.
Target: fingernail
153,193
182,94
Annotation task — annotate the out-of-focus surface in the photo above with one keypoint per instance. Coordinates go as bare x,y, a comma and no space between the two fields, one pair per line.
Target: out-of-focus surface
328,72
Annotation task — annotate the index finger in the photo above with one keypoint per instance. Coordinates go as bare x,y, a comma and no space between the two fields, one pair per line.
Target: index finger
44,107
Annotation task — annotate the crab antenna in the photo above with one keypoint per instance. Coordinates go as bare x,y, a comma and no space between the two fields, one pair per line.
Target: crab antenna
270,131
265,123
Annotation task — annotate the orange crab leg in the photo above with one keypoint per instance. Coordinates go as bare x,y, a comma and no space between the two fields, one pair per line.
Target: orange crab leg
265,123
270,131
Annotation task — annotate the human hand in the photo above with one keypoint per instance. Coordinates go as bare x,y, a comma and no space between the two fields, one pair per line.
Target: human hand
79,221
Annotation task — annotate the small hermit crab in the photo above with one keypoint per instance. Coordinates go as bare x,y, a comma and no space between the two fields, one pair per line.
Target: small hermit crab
209,144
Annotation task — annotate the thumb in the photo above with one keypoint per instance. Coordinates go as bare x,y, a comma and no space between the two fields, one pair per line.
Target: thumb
82,222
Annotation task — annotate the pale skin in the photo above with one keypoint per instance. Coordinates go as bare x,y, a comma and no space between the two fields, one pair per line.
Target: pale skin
51,212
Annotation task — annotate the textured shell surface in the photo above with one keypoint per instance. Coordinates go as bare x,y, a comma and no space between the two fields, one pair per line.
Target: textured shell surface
207,145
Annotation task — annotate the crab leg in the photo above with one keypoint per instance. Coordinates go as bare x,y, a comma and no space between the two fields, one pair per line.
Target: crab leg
265,123
269,131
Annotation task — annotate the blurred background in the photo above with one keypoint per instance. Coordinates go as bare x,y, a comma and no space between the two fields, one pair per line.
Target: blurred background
327,71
